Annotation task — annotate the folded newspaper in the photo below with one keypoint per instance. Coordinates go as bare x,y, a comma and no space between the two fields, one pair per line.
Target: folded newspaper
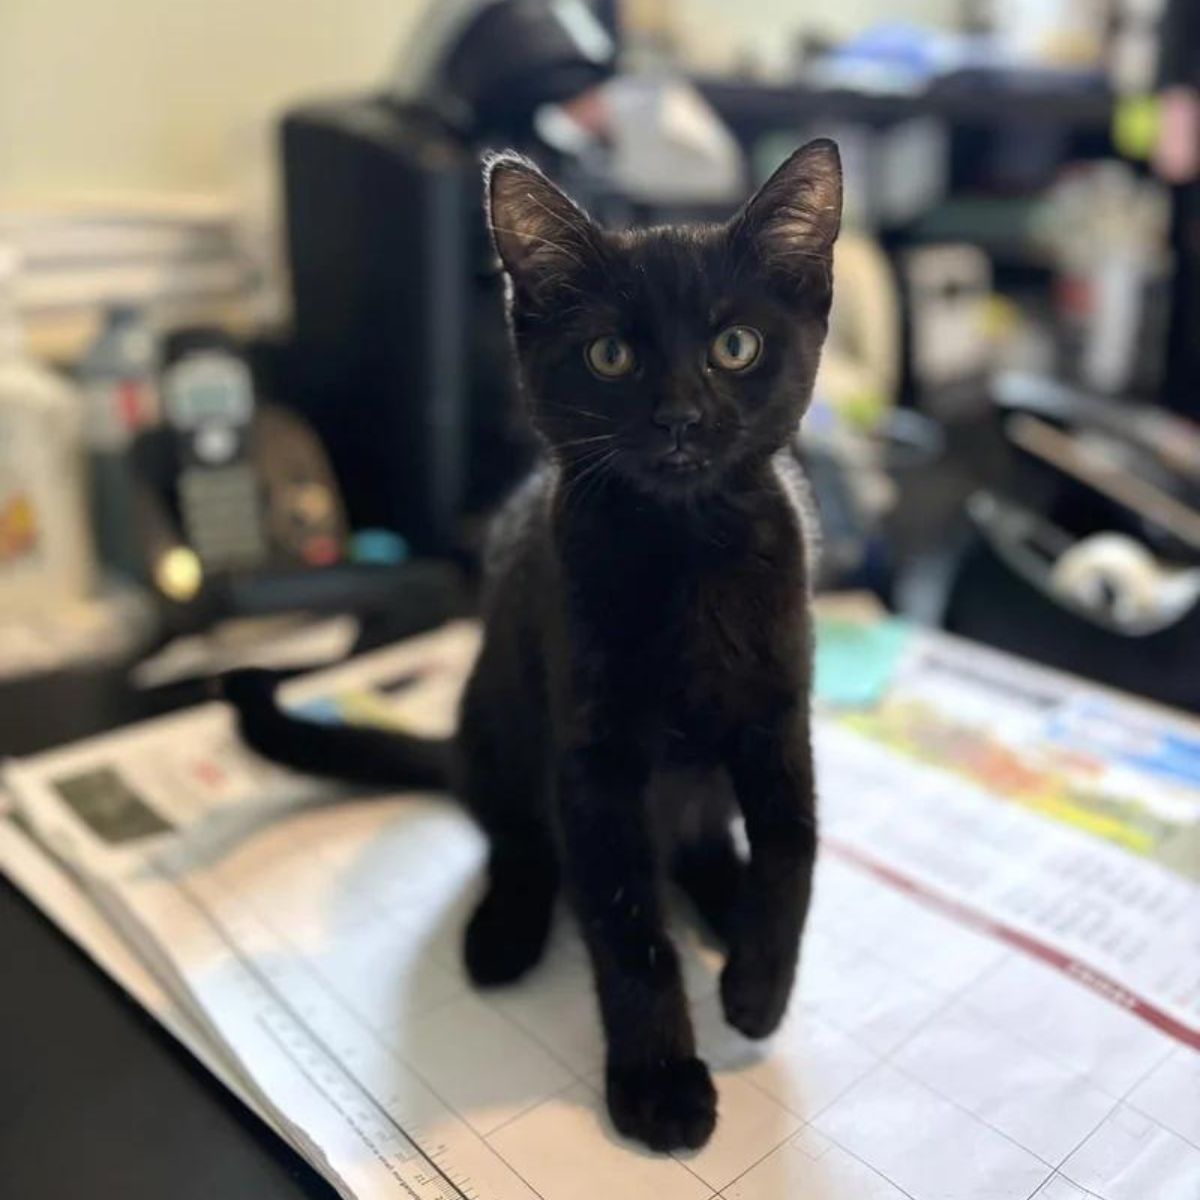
999,996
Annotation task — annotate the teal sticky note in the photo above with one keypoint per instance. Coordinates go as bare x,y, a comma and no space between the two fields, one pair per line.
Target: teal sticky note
855,661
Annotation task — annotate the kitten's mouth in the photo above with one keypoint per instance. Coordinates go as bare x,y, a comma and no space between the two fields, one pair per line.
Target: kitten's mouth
680,462
679,472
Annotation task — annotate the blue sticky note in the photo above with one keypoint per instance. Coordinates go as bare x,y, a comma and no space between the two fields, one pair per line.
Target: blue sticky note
855,661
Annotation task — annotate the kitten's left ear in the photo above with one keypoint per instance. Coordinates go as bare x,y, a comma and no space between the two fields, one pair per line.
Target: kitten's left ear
793,220
540,234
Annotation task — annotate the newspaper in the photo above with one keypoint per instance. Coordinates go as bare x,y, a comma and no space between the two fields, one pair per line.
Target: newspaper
999,993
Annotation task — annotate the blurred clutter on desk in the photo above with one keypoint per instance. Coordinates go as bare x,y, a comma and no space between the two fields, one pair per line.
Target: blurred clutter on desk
250,390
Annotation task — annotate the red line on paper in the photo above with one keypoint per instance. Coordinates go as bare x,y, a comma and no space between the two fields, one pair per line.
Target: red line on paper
1095,980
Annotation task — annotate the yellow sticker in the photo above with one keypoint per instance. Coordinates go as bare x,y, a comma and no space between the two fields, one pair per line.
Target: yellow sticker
1136,122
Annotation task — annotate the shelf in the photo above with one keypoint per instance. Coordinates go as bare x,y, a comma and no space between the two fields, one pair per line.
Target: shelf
752,109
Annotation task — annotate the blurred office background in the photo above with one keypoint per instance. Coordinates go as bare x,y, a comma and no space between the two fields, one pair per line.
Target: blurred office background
254,389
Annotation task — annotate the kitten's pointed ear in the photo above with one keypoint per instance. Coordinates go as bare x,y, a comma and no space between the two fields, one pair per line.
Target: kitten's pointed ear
539,233
793,220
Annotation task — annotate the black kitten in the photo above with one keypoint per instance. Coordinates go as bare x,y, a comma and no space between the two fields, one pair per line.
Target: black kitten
645,667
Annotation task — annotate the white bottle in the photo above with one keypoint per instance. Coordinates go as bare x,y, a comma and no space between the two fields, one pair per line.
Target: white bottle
45,552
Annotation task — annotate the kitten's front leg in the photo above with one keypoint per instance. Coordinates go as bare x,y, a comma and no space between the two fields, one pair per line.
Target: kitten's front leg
771,768
658,1090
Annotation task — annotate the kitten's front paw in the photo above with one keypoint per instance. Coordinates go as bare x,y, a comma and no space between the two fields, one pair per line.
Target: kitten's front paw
669,1107
755,992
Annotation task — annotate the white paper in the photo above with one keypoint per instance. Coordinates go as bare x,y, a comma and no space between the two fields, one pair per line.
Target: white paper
960,1028
249,642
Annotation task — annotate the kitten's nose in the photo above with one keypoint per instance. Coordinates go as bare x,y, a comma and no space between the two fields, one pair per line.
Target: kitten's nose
677,419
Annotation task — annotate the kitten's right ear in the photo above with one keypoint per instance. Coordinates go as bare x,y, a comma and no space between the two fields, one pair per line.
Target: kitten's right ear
539,233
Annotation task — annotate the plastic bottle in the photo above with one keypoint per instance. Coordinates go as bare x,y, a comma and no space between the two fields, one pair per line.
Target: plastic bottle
117,377
45,551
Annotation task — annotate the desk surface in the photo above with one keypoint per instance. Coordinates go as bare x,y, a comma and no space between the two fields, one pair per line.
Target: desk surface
95,1099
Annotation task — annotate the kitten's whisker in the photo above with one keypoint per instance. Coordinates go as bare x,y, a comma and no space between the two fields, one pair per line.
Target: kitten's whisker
585,456
591,471
590,467
581,412
585,441
598,476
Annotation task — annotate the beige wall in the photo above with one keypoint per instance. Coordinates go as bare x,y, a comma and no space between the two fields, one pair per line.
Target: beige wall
125,95
717,32
128,95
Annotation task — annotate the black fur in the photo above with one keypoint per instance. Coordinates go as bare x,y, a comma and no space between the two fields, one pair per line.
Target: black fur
645,668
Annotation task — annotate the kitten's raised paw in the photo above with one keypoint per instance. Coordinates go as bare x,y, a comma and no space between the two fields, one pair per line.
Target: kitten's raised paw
672,1106
505,938
754,995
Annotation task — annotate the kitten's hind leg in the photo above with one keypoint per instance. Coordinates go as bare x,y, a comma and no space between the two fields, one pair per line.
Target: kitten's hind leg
508,931
503,781
710,872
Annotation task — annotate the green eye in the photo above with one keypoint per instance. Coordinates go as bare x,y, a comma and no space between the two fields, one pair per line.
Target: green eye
736,348
610,357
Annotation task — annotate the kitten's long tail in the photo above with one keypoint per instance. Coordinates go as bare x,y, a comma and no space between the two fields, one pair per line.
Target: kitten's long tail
352,753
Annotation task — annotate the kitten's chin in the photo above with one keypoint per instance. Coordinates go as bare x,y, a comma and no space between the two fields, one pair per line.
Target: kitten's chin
672,478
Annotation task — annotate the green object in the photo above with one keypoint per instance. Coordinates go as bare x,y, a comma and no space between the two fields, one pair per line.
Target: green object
855,661
865,409
1136,125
